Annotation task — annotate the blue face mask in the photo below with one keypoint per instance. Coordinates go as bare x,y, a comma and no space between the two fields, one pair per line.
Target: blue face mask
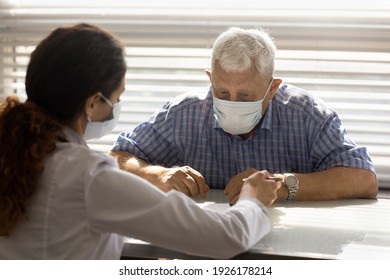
96,130
238,117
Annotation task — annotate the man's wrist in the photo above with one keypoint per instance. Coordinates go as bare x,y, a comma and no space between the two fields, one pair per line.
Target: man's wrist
290,186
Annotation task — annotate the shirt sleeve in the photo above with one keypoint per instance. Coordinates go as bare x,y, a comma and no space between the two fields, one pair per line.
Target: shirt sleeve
123,203
333,147
153,141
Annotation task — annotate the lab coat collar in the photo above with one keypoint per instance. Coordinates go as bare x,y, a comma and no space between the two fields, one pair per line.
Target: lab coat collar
73,137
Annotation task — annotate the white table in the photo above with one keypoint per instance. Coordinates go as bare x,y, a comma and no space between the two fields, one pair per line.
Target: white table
340,229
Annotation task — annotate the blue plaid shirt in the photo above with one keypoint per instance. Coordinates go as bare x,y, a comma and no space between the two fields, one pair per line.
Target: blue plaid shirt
297,133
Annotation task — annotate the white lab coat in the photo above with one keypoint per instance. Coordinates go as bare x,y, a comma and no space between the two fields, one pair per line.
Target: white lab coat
85,204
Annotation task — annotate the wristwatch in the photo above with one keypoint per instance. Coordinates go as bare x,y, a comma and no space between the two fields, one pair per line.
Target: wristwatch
292,184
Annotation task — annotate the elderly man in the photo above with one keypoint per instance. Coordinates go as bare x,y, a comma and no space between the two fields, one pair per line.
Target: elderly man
248,120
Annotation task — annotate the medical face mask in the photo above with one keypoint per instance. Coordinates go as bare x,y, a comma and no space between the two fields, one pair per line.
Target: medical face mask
96,130
238,117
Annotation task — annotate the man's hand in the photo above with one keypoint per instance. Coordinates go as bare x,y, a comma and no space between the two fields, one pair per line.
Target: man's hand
233,188
184,179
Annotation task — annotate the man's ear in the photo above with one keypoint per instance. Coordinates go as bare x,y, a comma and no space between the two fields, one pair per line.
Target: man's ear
274,87
90,104
208,72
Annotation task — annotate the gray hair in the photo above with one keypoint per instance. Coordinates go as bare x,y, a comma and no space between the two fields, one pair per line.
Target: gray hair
237,49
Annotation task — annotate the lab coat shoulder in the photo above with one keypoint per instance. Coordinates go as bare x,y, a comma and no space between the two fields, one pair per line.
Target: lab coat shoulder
101,179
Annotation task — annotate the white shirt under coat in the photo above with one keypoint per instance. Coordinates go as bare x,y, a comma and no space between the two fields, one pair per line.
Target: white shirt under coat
85,204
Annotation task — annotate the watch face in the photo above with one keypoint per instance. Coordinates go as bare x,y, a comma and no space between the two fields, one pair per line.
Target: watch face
291,181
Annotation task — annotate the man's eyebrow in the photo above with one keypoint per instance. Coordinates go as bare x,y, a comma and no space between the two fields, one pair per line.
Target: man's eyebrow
221,88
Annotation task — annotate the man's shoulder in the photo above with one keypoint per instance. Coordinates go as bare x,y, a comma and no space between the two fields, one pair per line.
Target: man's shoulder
193,103
294,98
190,99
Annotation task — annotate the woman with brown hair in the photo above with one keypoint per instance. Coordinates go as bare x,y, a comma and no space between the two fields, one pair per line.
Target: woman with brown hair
61,200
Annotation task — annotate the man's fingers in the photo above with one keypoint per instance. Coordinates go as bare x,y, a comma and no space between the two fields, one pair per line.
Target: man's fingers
191,185
200,182
182,187
189,181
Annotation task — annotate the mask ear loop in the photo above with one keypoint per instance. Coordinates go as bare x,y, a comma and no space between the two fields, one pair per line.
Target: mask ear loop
269,87
107,100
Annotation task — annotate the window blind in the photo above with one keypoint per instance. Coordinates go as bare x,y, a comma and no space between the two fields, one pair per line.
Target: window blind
338,50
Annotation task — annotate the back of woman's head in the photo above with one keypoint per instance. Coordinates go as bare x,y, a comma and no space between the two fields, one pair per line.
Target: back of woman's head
65,69
72,64
238,49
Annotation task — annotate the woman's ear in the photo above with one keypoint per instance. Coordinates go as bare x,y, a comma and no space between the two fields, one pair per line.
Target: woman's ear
90,104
